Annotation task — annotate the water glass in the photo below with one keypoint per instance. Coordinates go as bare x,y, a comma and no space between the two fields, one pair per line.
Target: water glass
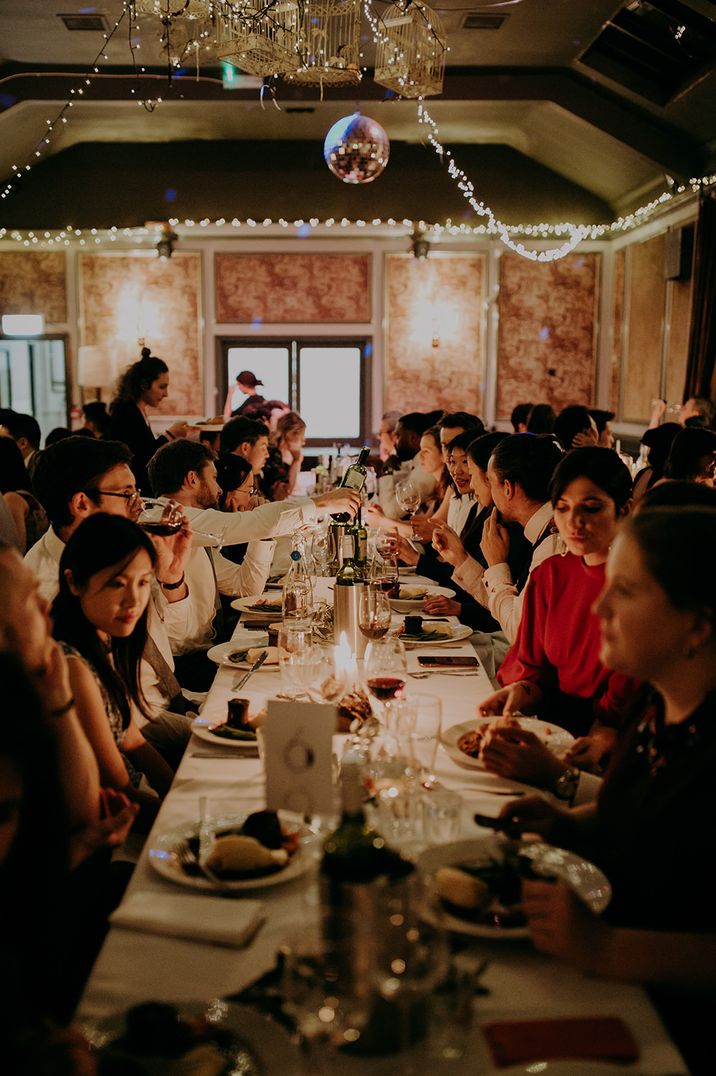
297,602
424,736
294,646
442,816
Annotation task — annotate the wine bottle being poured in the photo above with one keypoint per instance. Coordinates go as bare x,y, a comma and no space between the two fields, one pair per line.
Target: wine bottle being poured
354,478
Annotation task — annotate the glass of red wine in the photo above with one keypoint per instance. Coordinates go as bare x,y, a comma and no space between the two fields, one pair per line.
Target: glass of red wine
374,613
162,517
386,671
384,574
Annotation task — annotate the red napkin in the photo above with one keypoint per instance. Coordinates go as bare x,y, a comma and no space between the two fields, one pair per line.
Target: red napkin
592,1037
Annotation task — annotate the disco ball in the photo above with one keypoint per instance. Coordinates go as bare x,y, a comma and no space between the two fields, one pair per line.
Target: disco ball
356,149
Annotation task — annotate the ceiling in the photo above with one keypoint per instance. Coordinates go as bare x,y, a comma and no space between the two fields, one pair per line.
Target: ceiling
548,84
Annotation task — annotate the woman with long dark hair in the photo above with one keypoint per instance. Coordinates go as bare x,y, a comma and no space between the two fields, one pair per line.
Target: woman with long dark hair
144,384
100,614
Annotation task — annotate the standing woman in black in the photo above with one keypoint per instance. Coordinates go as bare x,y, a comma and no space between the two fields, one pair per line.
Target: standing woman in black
144,384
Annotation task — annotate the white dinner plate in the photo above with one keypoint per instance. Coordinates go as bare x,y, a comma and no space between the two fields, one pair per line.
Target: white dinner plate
570,1067
459,631
248,605
584,879
164,857
414,605
556,738
224,653
201,729
267,1041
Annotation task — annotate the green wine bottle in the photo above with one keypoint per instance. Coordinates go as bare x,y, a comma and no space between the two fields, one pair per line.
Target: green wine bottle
354,478
360,543
349,574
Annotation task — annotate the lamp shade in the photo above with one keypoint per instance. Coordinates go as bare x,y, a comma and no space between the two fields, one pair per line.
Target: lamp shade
95,365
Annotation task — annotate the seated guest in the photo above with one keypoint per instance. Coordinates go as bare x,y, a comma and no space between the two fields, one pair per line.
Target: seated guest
455,507
238,494
602,420
28,514
285,456
430,458
186,473
541,419
692,456
675,493
386,435
100,614
96,418
75,479
553,666
58,434
519,416
249,438
25,431
144,384
658,440
404,465
652,828
574,427
519,473
697,411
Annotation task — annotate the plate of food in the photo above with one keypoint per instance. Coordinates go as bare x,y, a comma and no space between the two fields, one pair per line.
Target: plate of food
411,596
479,882
256,851
464,742
434,633
217,1038
269,604
243,654
223,734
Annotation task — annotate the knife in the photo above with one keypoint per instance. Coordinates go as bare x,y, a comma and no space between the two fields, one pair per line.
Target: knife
239,683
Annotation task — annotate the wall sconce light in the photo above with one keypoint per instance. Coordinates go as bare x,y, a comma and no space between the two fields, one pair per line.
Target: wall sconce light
167,239
419,244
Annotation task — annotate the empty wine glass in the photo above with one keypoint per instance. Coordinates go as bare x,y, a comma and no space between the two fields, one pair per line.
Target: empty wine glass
407,495
374,613
424,737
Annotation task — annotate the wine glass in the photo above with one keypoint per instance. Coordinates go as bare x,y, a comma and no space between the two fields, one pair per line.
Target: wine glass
374,613
408,497
384,573
162,517
386,671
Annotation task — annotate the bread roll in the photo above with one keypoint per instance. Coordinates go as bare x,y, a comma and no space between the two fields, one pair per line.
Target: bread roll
237,853
461,889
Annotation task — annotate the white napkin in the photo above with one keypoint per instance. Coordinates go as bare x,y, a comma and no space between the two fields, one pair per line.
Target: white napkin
181,915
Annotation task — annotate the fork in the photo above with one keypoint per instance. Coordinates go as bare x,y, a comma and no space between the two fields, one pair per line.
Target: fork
187,858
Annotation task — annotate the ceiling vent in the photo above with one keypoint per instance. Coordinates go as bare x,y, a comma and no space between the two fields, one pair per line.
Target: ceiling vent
473,21
85,21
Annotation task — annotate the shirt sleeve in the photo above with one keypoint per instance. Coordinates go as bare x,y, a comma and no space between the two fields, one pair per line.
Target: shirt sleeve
266,521
250,576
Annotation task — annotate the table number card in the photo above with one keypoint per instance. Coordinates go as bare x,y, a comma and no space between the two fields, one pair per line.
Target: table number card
298,738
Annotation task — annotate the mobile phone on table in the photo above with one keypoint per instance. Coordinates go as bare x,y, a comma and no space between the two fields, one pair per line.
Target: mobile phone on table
440,661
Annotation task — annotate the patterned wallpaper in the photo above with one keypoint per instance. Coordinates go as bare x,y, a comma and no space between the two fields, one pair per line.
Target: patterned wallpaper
615,353
547,337
641,364
434,347
33,282
128,297
283,288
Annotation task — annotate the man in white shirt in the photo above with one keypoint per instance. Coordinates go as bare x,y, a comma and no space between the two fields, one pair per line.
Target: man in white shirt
185,472
75,478
519,472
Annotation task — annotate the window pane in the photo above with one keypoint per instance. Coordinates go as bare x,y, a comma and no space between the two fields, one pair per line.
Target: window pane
268,364
330,392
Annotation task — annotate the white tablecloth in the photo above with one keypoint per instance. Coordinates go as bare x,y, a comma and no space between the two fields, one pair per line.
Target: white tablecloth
522,983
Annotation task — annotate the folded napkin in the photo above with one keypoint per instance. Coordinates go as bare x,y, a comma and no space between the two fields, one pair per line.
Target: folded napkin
590,1038
180,915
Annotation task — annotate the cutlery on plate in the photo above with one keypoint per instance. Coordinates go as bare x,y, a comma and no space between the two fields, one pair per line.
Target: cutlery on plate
239,683
442,672
214,754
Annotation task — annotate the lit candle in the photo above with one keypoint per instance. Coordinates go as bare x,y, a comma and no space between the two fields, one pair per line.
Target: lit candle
345,662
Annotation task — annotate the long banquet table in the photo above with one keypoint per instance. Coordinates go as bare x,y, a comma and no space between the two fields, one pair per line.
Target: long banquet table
521,983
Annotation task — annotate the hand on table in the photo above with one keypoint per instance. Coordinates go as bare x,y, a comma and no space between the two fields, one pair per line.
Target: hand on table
495,543
560,924
439,605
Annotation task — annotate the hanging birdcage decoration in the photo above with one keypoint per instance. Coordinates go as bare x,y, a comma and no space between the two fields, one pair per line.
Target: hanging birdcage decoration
187,41
329,44
260,38
177,9
410,50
